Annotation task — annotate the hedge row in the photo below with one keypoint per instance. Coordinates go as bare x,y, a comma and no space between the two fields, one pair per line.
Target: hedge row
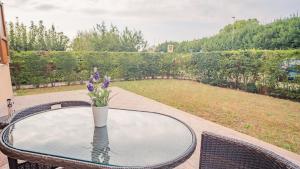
254,71
38,68
258,71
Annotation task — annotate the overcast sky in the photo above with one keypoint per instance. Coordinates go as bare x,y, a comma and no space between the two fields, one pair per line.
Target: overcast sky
159,20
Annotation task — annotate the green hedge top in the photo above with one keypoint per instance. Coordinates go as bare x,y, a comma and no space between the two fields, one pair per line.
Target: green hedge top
271,72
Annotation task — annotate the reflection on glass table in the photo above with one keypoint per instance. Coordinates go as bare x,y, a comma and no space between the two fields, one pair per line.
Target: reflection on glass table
100,146
67,136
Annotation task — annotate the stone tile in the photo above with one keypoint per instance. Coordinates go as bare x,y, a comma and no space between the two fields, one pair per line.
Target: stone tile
5,166
128,100
3,161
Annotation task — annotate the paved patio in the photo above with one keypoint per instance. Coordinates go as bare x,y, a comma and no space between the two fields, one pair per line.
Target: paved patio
129,100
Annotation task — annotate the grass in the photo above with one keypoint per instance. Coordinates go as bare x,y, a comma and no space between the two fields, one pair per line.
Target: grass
273,120
276,121
23,92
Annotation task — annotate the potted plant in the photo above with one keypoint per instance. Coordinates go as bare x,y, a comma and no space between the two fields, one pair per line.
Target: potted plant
99,94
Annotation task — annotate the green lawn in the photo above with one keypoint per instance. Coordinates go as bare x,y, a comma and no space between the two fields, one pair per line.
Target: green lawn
23,92
273,120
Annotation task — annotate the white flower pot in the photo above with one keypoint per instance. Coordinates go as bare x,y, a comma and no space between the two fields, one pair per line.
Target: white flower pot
100,116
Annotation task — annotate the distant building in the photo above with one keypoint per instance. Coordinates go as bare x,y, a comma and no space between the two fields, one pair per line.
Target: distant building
170,48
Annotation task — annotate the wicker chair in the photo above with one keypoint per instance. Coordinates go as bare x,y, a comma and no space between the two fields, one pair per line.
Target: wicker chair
15,164
219,152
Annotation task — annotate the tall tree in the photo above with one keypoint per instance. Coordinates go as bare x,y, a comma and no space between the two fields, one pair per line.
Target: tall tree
12,36
246,34
102,38
35,37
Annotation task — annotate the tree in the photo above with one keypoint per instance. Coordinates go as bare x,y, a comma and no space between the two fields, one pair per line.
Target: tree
12,36
246,34
101,38
32,33
35,37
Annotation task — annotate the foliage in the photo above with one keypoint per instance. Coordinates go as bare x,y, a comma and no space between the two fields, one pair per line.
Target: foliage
100,97
258,71
245,34
163,47
98,91
100,38
76,66
35,37
252,70
66,67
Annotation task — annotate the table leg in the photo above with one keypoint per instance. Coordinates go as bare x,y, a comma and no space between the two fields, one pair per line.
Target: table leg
13,163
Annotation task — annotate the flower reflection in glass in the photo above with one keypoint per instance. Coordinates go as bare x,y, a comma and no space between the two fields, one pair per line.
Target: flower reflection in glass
100,146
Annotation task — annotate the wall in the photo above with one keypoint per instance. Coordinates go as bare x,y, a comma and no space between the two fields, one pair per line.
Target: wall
5,88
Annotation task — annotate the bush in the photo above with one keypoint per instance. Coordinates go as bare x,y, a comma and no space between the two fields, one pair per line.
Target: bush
54,66
251,87
252,70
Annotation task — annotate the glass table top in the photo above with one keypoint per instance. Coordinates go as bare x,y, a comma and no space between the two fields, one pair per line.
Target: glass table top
131,138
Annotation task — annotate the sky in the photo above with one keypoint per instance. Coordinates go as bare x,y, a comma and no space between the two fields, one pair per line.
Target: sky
159,20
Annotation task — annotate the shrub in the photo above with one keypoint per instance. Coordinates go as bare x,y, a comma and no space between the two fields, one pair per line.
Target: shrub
252,70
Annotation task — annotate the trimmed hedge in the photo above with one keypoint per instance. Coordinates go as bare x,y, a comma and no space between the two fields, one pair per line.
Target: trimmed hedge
38,68
255,71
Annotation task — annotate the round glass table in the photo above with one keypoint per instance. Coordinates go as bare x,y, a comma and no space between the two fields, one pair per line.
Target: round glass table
132,139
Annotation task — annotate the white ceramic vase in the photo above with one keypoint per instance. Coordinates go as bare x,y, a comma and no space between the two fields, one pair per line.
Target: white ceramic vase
100,115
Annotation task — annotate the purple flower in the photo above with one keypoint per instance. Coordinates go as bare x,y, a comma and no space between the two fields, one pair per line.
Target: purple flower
96,76
106,82
90,87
